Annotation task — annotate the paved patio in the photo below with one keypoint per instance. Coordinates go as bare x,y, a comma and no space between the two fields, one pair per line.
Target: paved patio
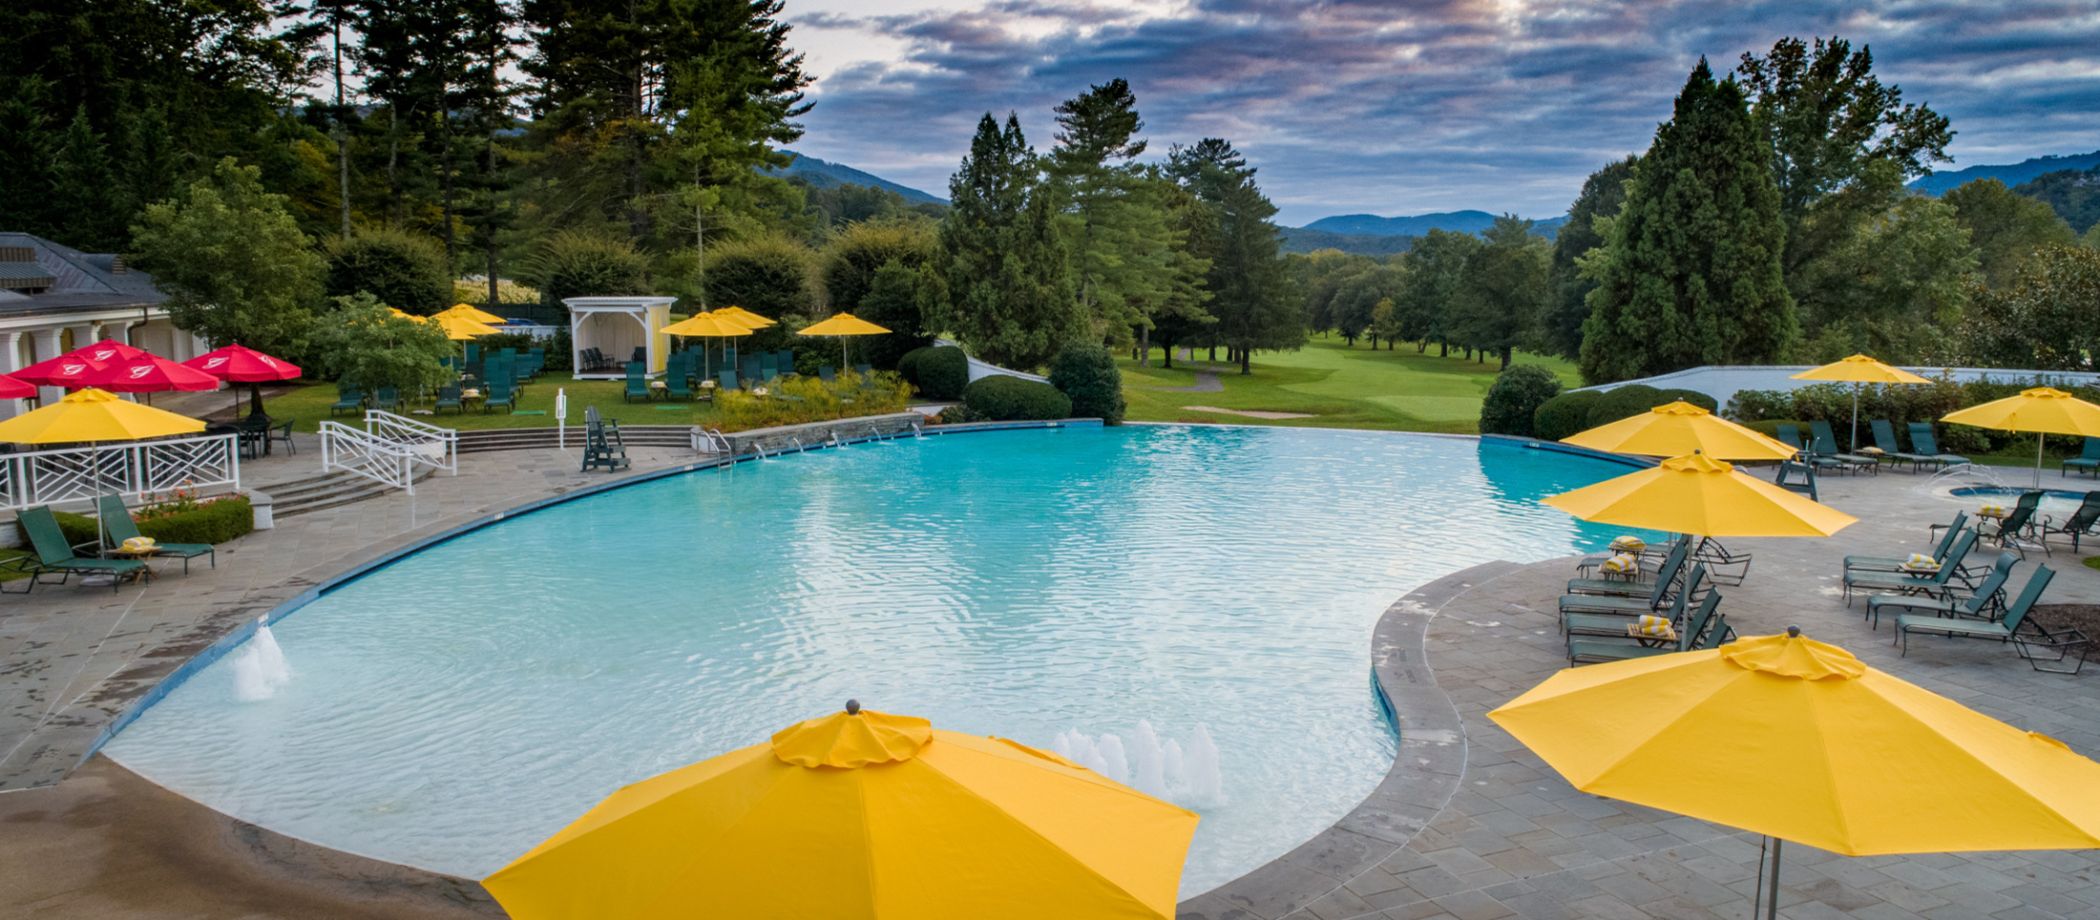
1504,837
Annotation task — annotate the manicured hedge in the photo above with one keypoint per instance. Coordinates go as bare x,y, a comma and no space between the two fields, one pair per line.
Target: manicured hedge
1087,373
1563,415
1691,396
215,521
1007,399
943,372
908,364
1515,398
1624,402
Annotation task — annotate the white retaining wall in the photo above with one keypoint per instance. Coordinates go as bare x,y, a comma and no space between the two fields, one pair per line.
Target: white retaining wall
1723,380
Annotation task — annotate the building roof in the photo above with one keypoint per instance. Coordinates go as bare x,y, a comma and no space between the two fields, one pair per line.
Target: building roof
40,276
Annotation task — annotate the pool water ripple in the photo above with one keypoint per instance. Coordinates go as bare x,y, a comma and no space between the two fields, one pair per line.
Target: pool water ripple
453,708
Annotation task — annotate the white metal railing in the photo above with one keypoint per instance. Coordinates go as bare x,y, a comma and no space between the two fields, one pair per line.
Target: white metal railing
371,456
711,441
136,469
438,446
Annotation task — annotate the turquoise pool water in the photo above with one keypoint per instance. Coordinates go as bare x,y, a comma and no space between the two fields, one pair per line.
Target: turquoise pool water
455,707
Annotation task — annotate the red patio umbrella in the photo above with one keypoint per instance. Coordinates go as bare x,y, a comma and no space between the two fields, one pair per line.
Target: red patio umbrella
69,369
106,351
241,364
146,372
10,388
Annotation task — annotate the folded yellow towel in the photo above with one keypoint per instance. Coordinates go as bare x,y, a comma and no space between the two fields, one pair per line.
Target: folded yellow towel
1922,563
1991,511
138,544
1869,451
1621,564
1648,625
1628,544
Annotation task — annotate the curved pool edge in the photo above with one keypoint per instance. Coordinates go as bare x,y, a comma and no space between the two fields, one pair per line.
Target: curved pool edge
1423,778
233,638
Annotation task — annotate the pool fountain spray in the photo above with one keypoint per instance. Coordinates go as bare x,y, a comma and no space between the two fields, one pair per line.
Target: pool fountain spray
260,670
1188,775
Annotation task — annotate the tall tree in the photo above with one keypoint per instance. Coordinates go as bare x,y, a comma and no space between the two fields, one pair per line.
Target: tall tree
1505,288
1691,273
2043,318
1005,264
1249,282
1436,267
1895,290
1603,193
233,261
2006,228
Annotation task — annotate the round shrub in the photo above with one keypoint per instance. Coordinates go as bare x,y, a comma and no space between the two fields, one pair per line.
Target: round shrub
1515,397
1087,373
1694,397
401,269
943,372
1624,402
1008,399
1563,415
573,263
908,364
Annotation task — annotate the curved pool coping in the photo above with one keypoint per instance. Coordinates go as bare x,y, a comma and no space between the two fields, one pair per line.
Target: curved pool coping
1423,777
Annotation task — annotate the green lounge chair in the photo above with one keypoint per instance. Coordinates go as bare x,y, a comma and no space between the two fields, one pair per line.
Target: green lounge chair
1925,445
386,399
2079,524
1616,587
864,369
448,398
1700,631
1885,438
637,383
826,374
498,396
119,527
2017,628
2087,460
675,385
1895,564
725,380
2011,531
50,553
347,399
1600,615
1935,584
1977,606
1790,434
1823,443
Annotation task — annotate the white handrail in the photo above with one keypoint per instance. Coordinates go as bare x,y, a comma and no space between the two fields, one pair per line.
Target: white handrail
419,437
138,469
365,454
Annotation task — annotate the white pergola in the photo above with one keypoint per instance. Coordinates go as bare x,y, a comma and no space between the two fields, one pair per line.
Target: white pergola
616,326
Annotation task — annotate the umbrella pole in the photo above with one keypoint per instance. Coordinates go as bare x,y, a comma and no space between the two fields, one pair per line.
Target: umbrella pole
1855,418
1764,901
2038,439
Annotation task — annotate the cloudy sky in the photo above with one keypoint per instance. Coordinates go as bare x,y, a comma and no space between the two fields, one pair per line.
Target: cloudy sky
1406,107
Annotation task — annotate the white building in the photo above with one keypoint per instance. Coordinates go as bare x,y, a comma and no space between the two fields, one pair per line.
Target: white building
54,299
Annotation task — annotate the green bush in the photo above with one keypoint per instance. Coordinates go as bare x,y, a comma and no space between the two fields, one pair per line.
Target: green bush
577,264
401,269
1007,399
768,275
908,364
1563,415
215,521
1694,397
943,372
1624,402
1515,398
1087,373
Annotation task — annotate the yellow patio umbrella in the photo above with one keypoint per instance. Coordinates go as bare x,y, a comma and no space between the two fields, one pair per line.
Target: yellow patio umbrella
843,324
404,314
1859,370
746,317
474,313
94,416
712,325
1798,740
859,815
1696,494
460,328
2042,410
1680,428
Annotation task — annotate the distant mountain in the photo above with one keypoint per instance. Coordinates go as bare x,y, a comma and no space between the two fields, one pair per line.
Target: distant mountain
824,174
1372,235
2009,173
2074,195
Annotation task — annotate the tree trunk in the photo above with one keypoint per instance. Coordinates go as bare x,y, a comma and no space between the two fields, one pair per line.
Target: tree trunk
1145,347
1246,366
1505,357
1167,354
342,137
445,184
1443,348
1213,352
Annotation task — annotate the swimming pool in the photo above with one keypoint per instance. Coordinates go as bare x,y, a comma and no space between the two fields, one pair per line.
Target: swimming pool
454,707
2056,502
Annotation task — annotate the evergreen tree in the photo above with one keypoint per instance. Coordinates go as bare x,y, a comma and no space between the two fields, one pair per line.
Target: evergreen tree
1009,284
1436,266
1691,272
1505,287
2005,228
1603,193
1249,281
234,264
85,186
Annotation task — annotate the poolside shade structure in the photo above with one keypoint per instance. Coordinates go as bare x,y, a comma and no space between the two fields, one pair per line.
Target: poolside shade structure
92,417
240,364
148,373
713,325
1859,370
10,388
404,314
1696,494
1799,741
843,325
857,816
460,328
1681,428
70,369
474,313
2042,410
746,317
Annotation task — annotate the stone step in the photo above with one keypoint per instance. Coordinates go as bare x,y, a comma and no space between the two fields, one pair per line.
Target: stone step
332,491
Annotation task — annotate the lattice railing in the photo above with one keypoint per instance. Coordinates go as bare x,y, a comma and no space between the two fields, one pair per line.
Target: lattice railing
138,469
432,445
357,451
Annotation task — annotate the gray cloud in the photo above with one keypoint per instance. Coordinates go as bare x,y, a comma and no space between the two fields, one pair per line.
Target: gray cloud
1402,107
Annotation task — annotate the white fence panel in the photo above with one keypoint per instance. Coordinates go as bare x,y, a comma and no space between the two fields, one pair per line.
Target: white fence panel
136,469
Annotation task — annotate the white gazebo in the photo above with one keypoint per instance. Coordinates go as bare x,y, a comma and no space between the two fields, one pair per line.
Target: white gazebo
616,326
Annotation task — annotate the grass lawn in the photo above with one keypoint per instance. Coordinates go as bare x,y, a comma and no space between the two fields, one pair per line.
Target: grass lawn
1337,386
308,405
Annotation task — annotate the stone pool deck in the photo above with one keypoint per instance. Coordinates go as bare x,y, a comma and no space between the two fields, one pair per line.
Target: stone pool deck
1469,825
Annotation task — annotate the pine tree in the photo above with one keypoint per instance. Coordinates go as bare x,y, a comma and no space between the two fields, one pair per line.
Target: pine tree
1010,294
1603,194
1504,289
1691,274
1249,282
86,188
